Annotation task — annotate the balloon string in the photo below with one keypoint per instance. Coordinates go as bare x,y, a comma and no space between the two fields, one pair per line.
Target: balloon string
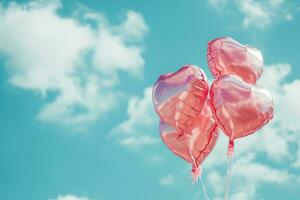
204,189
196,172
229,168
196,175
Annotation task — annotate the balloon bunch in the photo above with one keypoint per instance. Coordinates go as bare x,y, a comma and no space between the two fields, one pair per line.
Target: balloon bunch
191,113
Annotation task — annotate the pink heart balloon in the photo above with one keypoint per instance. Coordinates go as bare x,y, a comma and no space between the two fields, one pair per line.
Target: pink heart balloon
179,97
227,56
197,143
240,109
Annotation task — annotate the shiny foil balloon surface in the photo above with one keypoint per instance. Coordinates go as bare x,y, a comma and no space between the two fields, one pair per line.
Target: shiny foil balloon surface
199,140
179,97
239,108
227,56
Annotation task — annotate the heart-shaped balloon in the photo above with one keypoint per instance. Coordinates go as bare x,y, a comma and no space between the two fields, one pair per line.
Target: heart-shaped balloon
179,97
240,108
227,56
197,143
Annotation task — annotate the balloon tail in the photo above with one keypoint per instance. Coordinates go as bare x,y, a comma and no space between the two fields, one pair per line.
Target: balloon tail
196,172
229,168
204,189
230,149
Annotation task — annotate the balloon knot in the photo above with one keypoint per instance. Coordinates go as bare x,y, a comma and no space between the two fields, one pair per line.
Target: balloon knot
230,150
195,173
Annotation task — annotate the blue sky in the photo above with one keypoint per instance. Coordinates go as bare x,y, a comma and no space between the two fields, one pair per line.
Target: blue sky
76,118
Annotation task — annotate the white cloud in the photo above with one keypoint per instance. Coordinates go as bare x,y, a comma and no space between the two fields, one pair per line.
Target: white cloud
255,172
287,107
167,180
296,164
219,5
248,175
41,46
69,197
137,141
215,179
134,26
112,54
289,17
136,130
156,158
279,139
256,12
72,63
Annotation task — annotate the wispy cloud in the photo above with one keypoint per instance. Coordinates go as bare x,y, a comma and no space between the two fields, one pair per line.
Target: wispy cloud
135,131
257,13
69,197
137,141
167,180
73,62
248,175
